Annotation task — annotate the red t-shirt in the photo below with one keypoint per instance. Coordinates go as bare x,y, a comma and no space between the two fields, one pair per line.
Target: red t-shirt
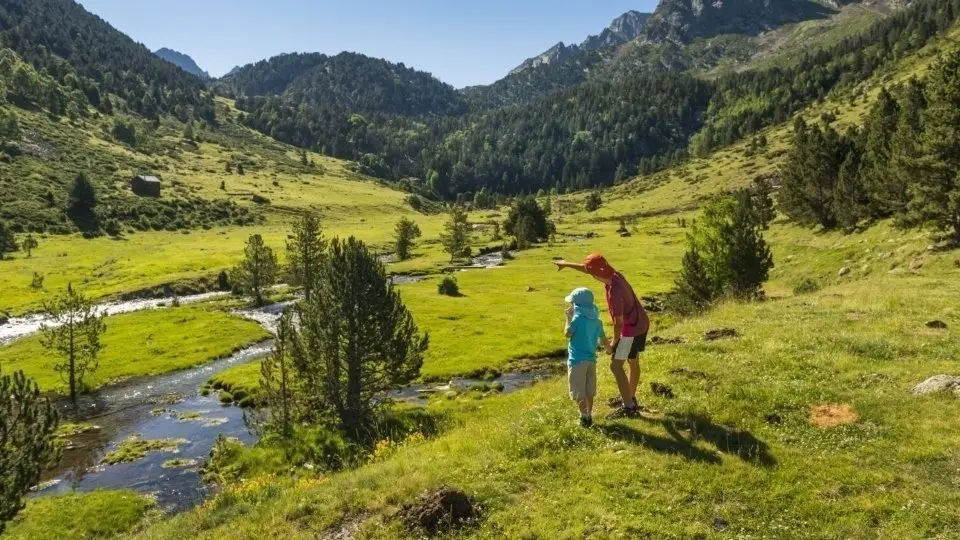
623,302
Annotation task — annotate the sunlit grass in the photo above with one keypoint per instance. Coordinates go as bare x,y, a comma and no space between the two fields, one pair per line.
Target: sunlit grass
145,343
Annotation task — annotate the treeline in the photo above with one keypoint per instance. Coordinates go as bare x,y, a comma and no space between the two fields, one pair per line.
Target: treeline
904,161
347,81
89,58
592,135
574,140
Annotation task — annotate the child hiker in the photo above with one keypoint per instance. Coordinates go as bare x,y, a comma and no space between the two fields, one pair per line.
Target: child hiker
585,332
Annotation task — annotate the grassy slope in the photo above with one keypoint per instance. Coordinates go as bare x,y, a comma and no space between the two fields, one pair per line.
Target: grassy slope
860,341
144,343
102,514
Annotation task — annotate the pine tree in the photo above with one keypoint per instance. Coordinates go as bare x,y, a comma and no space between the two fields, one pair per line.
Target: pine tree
935,193
257,271
456,235
535,226
277,381
8,242
886,194
83,204
748,256
356,341
29,244
27,425
850,197
694,287
306,248
905,152
74,334
404,236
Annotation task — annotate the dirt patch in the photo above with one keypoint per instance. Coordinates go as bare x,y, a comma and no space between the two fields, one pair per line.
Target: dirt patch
832,415
689,373
937,325
442,510
657,340
662,390
720,333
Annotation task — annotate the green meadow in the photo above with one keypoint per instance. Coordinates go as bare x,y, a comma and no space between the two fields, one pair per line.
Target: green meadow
149,342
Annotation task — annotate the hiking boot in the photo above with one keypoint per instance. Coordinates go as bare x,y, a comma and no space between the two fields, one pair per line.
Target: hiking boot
624,412
586,421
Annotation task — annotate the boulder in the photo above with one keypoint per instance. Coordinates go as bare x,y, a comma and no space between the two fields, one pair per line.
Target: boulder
938,383
4,318
937,325
844,271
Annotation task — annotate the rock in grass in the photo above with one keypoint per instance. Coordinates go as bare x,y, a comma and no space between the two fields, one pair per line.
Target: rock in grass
938,383
179,463
720,333
937,325
844,271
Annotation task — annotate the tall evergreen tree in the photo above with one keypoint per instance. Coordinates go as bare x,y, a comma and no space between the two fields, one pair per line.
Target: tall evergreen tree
83,203
886,193
277,381
8,241
356,341
305,251
27,446
456,235
935,194
257,271
404,236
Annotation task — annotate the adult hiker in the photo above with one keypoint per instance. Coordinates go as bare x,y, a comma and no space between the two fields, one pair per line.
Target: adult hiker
630,327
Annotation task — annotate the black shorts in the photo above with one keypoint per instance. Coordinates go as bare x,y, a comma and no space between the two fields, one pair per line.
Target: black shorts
630,348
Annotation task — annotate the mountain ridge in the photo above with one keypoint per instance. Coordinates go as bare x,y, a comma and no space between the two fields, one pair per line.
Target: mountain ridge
182,61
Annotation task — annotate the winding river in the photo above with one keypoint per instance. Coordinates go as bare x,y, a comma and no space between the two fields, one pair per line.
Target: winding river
170,407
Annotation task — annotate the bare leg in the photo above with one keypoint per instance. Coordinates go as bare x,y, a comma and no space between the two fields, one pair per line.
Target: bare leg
586,406
623,384
634,377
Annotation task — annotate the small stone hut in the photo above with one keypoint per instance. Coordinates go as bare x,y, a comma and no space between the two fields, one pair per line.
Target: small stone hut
146,186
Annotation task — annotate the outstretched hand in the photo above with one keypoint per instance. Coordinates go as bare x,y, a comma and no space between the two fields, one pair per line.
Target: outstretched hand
560,264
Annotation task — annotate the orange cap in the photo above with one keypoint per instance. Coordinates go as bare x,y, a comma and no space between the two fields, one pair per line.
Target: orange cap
597,266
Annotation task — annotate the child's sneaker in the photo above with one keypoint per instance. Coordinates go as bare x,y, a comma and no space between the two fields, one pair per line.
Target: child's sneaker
586,421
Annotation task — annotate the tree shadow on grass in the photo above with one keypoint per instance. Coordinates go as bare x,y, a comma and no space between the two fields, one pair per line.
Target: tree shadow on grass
685,430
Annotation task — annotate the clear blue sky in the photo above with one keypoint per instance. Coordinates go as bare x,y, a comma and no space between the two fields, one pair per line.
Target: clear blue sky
461,42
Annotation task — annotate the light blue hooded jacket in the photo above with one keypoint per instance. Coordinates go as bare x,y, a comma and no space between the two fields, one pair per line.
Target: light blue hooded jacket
585,329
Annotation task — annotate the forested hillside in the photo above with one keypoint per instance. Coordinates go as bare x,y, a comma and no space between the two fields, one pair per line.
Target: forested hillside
570,139
95,64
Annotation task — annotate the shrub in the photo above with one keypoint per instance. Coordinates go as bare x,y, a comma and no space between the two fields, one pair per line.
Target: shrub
593,202
448,286
806,286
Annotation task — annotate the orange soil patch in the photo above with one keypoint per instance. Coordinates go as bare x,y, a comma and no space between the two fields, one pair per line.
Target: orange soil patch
832,415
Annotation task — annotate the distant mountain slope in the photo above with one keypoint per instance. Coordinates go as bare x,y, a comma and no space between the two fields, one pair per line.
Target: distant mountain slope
182,61
61,39
558,68
623,29
682,21
347,81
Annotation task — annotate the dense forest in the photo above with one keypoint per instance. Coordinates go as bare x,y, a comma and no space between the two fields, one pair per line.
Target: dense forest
904,162
91,60
591,135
